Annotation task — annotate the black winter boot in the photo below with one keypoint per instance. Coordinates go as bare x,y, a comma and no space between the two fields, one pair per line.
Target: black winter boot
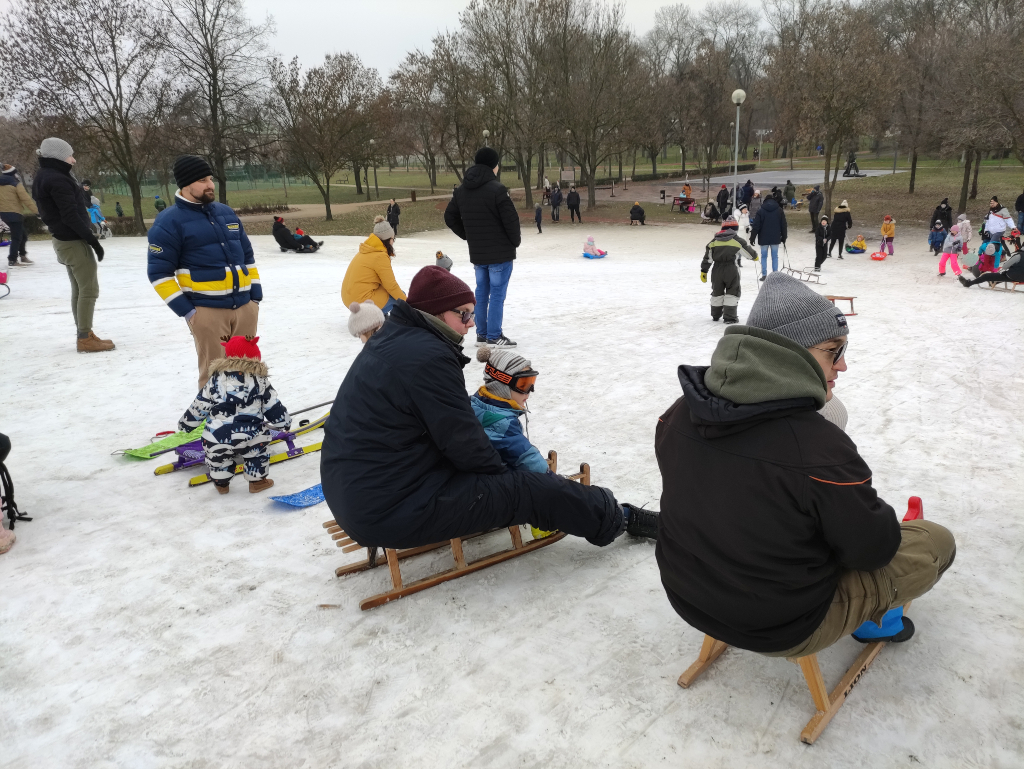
640,522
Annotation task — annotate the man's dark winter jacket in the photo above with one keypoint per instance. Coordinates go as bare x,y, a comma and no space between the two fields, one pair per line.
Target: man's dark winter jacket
401,427
556,196
61,202
815,200
768,226
572,200
1019,205
723,200
747,193
764,502
943,213
482,213
393,212
284,237
636,213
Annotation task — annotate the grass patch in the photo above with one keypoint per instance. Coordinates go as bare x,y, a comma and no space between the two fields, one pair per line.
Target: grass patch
416,217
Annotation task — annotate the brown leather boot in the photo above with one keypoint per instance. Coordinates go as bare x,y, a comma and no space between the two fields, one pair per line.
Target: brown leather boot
222,489
93,343
261,485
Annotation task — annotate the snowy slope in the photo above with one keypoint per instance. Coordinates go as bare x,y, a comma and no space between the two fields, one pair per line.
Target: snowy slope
147,624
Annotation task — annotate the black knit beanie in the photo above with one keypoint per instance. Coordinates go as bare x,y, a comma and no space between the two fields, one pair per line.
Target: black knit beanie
189,169
486,156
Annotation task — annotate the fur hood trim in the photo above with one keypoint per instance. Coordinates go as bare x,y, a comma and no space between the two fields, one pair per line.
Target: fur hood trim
242,365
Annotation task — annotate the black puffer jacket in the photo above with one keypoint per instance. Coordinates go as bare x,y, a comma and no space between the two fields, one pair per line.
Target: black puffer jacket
943,213
815,200
61,202
401,427
768,226
764,504
284,237
842,220
572,200
482,213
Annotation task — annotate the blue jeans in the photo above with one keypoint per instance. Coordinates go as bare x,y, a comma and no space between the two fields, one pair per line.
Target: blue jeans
388,305
1020,221
491,287
764,258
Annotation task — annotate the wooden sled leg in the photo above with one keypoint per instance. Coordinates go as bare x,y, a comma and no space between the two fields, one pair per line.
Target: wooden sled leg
828,704
710,651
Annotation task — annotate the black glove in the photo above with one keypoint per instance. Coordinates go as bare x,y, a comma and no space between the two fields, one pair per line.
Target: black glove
95,246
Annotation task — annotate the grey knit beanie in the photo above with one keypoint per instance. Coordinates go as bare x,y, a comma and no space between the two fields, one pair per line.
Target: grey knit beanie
444,261
502,359
788,307
55,148
382,229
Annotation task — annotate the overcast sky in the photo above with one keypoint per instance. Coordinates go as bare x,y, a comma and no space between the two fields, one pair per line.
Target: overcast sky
381,32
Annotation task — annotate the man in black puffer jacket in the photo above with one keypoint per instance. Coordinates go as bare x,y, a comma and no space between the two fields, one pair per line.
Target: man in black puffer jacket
572,202
62,205
405,460
482,213
769,228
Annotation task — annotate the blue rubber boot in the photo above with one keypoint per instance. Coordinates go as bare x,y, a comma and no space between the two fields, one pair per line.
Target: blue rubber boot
895,628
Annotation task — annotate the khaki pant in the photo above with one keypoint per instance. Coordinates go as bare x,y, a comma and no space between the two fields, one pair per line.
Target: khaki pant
78,258
209,324
925,553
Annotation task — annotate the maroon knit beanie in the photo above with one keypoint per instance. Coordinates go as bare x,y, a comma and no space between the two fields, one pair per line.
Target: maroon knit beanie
435,290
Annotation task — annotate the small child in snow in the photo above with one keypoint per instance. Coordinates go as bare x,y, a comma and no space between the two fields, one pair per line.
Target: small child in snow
950,248
240,406
442,261
965,231
590,248
537,217
508,381
365,319
820,243
937,237
888,233
858,246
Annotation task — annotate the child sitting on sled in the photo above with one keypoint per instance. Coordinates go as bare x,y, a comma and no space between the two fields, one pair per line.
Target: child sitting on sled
366,318
240,406
858,246
589,249
936,237
508,381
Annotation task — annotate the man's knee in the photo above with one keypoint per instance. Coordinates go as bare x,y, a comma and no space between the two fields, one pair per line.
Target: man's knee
931,538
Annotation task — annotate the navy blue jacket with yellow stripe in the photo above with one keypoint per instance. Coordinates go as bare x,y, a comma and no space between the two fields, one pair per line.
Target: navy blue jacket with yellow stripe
200,256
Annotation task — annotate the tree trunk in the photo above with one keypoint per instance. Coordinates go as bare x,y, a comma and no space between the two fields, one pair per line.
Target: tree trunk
325,191
965,185
682,155
222,179
620,166
135,188
542,160
525,168
913,170
591,186
366,181
977,167
359,185
654,163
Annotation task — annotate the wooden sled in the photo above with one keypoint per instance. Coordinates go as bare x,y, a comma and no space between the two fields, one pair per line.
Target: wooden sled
807,274
849,299
1009,288
394,556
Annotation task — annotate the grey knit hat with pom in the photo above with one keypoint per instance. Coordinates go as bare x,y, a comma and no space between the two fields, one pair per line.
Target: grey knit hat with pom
504,360
788,307
443,261
366,318
382,229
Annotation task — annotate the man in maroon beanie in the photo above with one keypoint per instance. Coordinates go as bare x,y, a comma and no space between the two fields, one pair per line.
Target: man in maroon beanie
405,461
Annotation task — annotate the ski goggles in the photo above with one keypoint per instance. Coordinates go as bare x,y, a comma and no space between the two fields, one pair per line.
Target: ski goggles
521,381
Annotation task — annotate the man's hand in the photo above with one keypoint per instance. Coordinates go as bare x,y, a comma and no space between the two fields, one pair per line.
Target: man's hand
703,277
95,245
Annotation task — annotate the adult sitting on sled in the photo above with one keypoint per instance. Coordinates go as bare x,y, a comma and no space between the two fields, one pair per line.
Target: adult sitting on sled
405,460
299,242
720,257
772,538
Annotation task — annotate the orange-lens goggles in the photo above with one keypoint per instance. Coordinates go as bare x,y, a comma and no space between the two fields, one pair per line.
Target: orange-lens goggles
521,381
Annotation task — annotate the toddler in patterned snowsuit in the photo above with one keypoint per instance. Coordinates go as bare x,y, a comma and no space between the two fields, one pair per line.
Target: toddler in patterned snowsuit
240,406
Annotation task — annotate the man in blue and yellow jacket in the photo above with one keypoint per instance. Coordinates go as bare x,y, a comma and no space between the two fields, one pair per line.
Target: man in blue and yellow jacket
201,263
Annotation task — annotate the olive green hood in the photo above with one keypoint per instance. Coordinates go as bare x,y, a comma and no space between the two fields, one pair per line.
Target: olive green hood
751,365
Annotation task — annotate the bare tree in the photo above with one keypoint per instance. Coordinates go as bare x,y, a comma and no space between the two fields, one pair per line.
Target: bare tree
458,93
414,90
91,63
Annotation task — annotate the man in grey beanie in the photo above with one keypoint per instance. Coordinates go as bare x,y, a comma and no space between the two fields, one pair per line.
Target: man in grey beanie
62,207
772,537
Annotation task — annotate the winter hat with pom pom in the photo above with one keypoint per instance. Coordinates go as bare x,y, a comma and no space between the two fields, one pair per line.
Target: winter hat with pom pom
365,318
590,240
444,262
241,347
504,363
382,229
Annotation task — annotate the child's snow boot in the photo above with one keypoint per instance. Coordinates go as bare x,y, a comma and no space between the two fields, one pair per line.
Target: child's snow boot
222,486
261,485
895,628
6,539
640,522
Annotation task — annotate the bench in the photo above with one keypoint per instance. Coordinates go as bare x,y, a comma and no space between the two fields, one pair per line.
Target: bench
681,202
844,299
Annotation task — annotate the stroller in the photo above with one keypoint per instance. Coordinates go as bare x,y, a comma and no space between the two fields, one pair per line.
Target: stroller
710,214
99,224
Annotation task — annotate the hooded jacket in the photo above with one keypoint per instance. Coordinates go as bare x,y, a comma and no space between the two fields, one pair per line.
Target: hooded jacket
482,213
500,419
14,198
237,394
61,202
765,503
370,275
393,213
768,227
401,427
943,213
636,212
723,199
556,197
815,200
284,237
572,200
723,249
790,191
842,220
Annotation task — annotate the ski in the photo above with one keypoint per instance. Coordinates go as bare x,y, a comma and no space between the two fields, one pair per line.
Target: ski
284,456
191,454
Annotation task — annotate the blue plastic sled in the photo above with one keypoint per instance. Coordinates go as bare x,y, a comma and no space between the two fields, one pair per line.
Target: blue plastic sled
594,256
314,495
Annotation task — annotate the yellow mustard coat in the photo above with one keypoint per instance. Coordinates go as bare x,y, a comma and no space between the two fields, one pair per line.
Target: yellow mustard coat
369,276
889,229
16,200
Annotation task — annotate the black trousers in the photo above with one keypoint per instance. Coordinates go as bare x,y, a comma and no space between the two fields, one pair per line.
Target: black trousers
814,219
19,235
308,241
538,226
841,240
470,503
820,254
394,226
997,277
574,214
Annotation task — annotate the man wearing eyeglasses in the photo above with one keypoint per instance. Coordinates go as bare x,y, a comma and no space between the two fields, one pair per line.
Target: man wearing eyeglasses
772,537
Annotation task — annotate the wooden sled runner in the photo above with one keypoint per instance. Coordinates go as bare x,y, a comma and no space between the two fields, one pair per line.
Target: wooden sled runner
1010,288
807,274
393,556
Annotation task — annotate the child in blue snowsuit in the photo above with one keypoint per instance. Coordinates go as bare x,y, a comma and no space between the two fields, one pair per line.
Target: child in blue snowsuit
240,406
508,381
936,237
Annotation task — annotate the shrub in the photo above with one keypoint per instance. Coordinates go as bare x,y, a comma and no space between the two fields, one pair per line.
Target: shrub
263,208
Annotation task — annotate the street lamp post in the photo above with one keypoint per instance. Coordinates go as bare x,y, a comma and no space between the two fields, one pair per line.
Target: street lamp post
738,96
486,134
761,133
376,191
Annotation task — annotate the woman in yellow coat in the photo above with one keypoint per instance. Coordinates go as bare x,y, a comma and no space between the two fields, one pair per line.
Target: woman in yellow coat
369,274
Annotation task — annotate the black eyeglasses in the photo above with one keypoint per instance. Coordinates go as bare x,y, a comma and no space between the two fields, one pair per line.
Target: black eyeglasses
838,354
465,315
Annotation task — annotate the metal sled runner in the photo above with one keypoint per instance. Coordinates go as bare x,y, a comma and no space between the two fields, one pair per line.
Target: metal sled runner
461,568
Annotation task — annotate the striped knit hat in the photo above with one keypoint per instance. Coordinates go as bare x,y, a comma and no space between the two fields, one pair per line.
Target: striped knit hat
505,360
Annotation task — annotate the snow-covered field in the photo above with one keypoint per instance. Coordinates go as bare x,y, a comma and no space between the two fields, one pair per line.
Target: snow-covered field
147,624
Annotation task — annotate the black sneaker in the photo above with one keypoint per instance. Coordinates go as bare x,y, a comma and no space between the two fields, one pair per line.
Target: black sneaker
481,341
319,242
501,341
904,635
732,320
640,522
762,278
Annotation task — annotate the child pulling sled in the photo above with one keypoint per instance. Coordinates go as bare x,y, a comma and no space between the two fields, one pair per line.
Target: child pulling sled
240,406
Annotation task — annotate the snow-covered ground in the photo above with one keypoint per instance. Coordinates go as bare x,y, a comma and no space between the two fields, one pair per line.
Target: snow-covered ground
147,624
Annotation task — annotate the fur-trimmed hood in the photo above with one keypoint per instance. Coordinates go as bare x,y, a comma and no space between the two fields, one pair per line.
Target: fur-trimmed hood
241,365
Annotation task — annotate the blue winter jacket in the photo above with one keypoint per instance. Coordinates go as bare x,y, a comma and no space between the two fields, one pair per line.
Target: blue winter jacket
936,238
500,420
200,256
